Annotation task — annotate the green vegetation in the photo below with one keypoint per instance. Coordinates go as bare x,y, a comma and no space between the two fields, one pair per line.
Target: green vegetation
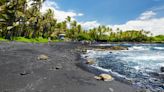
159,38
2,39
24,23
36,40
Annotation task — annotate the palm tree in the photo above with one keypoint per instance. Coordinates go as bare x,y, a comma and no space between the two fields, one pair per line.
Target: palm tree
36,5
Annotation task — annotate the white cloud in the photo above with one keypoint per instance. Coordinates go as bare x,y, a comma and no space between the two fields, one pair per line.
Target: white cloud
147,15
80,14
146,22
59,14
89,24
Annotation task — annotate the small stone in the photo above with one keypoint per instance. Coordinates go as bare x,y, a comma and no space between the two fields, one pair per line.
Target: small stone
24,73
84,51
42,57
86,57
59,66
111,89
110,52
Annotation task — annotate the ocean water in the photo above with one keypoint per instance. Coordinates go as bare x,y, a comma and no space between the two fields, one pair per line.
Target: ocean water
141,64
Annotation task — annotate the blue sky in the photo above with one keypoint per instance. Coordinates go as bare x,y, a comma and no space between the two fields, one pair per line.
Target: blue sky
125,14
109,11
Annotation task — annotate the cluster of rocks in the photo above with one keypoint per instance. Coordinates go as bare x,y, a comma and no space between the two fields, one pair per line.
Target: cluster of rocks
45,57
118,48
103,48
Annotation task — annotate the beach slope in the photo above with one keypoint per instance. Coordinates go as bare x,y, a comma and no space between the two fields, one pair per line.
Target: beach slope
21,71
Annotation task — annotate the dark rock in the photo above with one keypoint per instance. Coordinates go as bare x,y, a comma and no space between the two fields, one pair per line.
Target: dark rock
144,90
24,73
161,75
86,57
119,48
162,69
84,51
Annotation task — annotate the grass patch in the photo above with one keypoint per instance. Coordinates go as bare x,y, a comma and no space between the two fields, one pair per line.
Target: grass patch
57,40
36,40
2,39
26,40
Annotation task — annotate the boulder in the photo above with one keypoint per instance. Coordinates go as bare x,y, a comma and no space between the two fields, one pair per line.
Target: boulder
104,77
42,57
162,69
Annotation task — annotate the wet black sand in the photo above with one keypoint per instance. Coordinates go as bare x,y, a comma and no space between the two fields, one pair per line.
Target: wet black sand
20,71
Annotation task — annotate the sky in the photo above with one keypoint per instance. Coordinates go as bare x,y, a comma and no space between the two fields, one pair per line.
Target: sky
123,14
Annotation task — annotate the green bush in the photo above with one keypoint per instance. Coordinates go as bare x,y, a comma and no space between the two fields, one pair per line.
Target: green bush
159,38
83,37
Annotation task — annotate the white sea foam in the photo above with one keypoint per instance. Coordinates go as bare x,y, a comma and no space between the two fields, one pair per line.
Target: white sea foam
159,48
109,71
138,48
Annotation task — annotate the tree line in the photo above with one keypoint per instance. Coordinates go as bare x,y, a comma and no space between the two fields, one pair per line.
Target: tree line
17,19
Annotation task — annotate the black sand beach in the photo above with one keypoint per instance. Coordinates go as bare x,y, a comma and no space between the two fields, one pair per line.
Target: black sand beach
20,71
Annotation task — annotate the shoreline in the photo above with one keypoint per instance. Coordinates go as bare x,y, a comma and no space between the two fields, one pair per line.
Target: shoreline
22,72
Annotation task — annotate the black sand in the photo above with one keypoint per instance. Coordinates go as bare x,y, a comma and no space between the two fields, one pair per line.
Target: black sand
20,71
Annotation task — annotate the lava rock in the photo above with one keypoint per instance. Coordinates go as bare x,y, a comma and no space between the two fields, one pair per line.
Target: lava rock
110,52
119,48
162,69
161,75
144,90
58,66
24,73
